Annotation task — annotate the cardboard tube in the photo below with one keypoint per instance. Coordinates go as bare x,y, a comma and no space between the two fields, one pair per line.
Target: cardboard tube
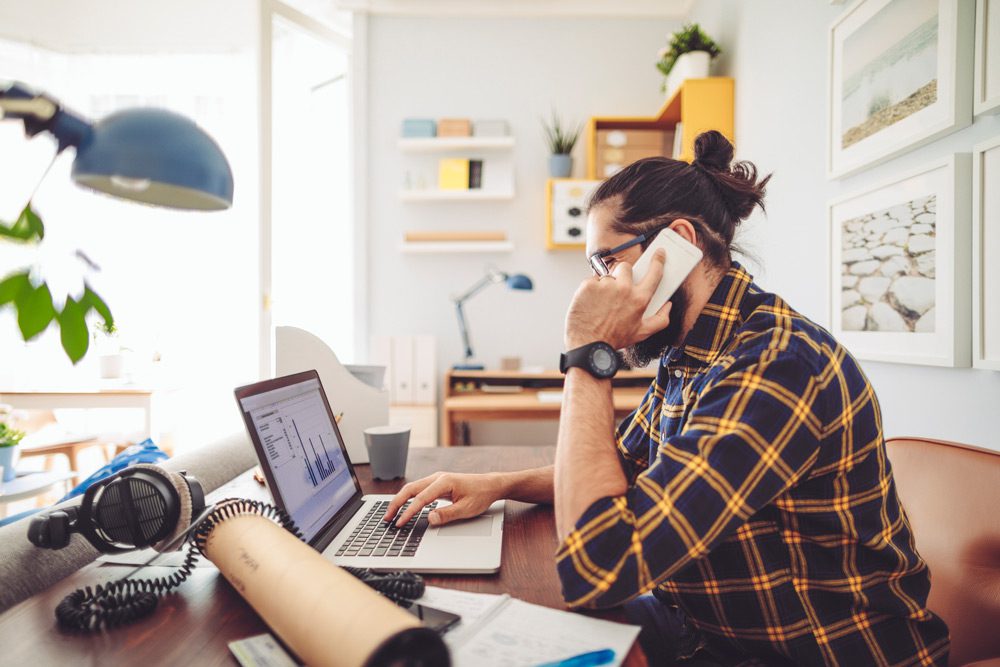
324,614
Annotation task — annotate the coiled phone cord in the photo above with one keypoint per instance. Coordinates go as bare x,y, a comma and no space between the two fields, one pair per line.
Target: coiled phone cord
126,600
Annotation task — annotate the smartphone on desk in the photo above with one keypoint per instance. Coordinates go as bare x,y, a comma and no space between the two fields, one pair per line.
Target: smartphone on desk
682,257
436,619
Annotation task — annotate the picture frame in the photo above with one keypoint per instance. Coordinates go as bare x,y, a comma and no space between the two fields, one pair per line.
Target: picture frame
987,60
986,255
900,76
900,275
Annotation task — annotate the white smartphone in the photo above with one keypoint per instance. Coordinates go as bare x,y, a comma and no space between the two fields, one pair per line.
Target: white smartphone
682,257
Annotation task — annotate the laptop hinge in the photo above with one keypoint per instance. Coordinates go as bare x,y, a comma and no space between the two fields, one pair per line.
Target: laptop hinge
326,536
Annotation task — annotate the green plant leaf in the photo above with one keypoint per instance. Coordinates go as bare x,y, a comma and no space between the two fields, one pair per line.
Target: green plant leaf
28,227
91,299
34,311
73,330
12,286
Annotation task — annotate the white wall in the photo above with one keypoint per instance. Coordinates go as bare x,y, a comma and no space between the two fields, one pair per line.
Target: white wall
515,69
778,56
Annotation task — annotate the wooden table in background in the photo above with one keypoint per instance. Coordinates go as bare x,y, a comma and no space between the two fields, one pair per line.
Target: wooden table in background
194,625
465,399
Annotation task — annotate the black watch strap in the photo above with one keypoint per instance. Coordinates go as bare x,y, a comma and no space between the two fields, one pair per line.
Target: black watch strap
599,359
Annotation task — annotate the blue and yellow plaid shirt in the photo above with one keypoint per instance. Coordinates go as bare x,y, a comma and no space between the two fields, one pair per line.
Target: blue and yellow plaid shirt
760,499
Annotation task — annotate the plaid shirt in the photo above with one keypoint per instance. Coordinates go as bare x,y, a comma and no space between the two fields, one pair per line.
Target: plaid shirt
761,500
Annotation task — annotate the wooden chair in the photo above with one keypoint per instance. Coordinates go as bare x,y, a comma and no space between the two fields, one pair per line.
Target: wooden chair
46,439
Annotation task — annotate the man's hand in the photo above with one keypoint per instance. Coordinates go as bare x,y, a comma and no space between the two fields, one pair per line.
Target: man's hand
611,308
470,495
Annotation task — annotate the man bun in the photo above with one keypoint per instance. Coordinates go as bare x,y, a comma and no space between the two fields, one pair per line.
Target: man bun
713,150
737,185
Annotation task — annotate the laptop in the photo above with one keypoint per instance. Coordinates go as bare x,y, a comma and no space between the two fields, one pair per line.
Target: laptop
310,475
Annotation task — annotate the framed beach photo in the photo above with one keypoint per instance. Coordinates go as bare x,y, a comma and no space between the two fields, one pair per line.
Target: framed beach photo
987,69
986,255
899,267
900,77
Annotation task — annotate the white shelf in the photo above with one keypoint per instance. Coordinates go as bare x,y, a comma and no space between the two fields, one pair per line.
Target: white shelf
455,195
456,246
445,144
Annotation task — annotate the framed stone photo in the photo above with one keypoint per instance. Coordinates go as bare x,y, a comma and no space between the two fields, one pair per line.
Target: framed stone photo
986,255
900,267
900,77
987,69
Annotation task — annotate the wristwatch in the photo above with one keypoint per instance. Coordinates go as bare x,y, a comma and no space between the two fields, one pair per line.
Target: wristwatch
599,359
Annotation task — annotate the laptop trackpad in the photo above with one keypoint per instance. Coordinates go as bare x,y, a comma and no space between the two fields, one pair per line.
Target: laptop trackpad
481,526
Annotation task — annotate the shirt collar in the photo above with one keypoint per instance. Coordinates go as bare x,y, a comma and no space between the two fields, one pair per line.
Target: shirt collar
718,319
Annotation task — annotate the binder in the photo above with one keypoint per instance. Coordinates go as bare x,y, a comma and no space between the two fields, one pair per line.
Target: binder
381,354
425,371
402,369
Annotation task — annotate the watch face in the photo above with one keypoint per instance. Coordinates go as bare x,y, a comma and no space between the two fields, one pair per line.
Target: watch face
602,359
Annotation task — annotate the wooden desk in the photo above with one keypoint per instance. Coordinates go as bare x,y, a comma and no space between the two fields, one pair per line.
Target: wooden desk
116,396
193,626
466,399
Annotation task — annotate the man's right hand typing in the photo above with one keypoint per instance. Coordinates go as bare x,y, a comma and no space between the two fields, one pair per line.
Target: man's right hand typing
469,494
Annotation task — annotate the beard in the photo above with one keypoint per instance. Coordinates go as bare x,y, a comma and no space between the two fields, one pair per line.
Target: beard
643,352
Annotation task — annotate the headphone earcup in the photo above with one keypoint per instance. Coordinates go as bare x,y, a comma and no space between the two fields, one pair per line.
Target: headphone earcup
51,530
190,496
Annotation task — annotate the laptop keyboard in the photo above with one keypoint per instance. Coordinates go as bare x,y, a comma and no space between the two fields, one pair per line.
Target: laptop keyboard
375,537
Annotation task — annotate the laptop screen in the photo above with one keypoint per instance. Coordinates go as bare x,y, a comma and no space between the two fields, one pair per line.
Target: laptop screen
299,443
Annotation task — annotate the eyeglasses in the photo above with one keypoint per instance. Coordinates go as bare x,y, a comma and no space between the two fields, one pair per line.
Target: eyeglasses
597,262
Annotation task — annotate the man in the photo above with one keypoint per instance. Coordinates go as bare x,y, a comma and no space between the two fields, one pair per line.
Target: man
750,491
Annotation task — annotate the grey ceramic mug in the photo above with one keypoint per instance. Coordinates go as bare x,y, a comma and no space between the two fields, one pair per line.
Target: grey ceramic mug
387,449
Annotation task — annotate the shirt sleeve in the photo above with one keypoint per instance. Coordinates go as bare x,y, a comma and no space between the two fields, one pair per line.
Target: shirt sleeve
749,437
632,439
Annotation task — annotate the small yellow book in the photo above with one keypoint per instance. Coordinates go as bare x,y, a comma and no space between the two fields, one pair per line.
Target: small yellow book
453,174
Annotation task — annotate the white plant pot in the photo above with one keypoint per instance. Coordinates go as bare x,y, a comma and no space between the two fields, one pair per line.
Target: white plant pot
690,65
112,366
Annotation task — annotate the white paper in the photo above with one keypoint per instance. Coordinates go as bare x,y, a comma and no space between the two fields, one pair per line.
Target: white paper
518,634
550,396
472,607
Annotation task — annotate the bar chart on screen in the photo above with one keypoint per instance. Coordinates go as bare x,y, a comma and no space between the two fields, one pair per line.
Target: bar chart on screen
301,446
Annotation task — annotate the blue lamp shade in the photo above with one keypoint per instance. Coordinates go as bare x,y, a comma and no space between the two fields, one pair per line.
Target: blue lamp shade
519,281
156,157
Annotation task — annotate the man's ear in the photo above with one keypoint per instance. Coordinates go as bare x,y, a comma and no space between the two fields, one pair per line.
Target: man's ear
685,229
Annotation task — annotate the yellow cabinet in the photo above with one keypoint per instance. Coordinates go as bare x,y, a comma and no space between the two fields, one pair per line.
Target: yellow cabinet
698,105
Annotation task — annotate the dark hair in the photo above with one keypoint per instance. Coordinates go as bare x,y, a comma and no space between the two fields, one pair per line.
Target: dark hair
712,194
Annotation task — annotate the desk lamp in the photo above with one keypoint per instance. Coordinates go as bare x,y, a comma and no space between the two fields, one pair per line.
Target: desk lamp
148,155
516,281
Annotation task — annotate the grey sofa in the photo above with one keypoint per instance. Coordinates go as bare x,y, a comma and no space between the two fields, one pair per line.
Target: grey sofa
26,569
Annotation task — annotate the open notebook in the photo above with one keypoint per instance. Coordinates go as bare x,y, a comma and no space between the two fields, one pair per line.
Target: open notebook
501,631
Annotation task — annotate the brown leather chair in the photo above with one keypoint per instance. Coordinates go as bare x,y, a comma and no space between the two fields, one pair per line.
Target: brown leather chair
951,493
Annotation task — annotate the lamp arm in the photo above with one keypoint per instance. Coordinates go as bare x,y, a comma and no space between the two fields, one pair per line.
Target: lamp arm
41,113
463,329
478,287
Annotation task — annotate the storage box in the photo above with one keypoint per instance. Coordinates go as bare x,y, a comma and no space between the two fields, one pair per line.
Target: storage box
490,128
453,174
419,127
617,149
454,127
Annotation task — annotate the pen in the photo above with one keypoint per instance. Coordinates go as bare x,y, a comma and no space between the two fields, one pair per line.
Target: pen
591,659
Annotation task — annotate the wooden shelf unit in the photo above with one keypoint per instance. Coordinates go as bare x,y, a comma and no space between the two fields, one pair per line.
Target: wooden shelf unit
699,105
466,401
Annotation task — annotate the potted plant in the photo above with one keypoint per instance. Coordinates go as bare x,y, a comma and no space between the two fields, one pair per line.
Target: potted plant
111,355
561,142
687,56
10,438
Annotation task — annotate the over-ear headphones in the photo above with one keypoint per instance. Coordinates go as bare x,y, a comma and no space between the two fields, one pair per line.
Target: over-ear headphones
141,506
